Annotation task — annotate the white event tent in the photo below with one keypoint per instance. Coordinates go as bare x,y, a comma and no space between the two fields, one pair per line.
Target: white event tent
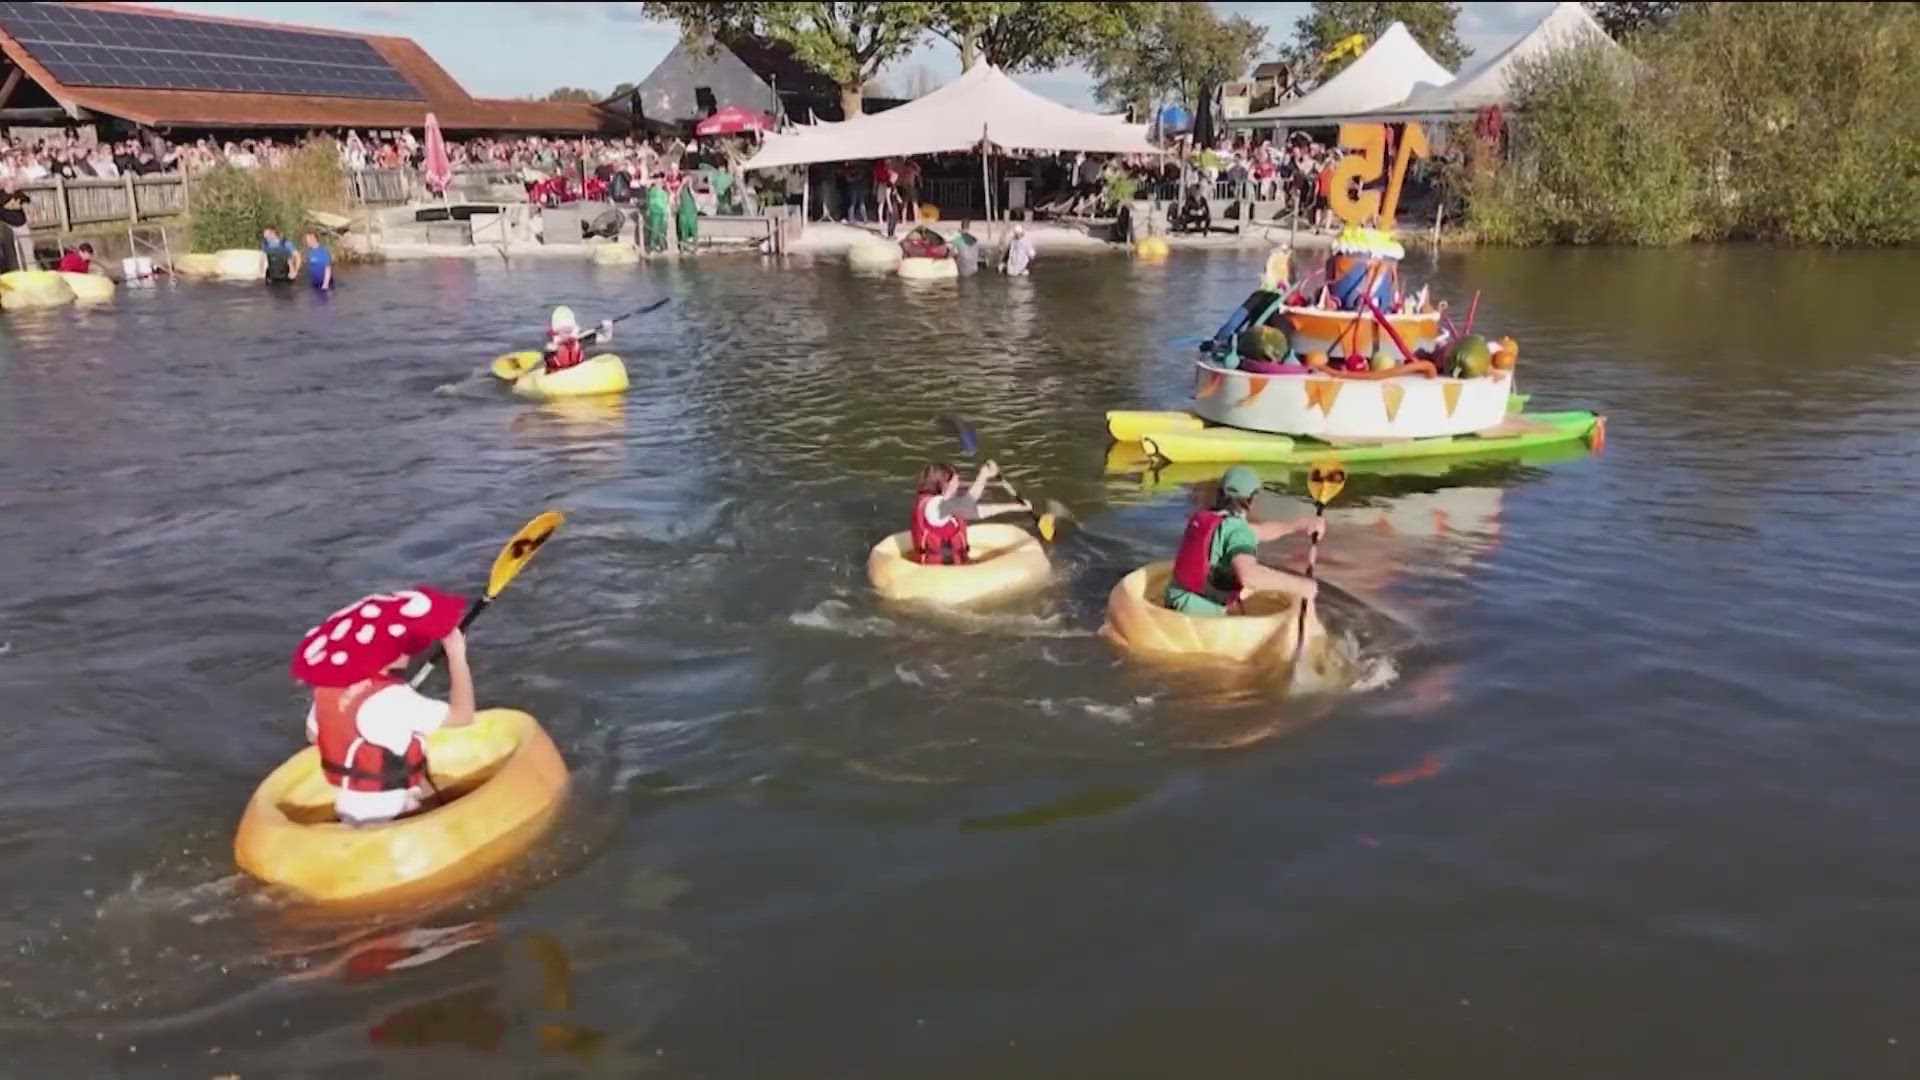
981,106
1491,83
1388,71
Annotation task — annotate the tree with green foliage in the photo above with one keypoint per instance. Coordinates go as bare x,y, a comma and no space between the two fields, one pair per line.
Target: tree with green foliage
1716,131
571,93
1622,19
1329,23
1181,50
620,90
849,42
1034,36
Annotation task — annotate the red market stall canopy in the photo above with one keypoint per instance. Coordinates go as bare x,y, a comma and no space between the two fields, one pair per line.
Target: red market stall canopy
983,105
733,120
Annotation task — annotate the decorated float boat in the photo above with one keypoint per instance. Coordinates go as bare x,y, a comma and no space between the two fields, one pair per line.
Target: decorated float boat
1350,359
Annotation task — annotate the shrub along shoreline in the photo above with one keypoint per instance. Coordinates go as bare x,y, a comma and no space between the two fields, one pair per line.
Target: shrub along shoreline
231,206
1785,122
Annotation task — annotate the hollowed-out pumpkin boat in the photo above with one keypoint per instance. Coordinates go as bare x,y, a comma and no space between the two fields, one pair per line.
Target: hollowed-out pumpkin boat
1006,560
1267,628
500,782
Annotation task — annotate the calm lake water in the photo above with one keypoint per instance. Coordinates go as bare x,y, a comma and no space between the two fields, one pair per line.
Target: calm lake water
1630,789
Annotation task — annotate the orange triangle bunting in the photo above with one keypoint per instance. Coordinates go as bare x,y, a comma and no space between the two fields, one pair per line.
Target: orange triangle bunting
1256,385
1390,394
1322,393
1209,384
1451,391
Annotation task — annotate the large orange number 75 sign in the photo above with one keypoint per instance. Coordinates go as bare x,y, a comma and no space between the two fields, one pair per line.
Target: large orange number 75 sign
1365,164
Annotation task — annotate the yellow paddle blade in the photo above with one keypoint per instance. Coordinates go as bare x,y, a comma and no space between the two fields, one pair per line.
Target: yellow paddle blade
1046,522
556,974
512,365
1325,480
520,550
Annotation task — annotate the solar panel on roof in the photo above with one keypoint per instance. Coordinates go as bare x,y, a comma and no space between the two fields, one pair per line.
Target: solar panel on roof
96,47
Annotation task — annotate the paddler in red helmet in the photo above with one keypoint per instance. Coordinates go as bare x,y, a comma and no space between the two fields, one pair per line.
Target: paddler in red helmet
366,722
1216,562
941,512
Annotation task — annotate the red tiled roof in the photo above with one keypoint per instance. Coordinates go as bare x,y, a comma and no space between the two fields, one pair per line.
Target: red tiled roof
456,109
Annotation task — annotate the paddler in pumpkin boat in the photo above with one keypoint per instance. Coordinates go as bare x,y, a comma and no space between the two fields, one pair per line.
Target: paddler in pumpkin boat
924,243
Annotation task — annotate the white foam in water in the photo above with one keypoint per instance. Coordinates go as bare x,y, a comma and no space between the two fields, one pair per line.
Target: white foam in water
921,675
1375,673
837,616
1117,715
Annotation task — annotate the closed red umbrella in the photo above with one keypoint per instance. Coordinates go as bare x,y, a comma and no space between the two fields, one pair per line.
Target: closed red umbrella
733,120
437,170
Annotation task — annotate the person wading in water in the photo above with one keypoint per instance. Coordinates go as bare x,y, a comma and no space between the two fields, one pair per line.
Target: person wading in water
283,259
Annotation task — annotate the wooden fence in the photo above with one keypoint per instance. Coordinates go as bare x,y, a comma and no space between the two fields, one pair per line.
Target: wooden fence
64,205
71,204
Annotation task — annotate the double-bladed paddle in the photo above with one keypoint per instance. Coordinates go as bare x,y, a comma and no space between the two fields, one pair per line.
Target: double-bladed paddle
514,557
1046,521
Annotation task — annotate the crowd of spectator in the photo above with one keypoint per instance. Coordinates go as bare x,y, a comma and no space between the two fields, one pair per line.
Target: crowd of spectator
75,155
1295,172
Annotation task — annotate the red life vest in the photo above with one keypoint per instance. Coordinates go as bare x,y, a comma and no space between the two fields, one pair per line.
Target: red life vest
350,761
1193,563
567,352
937,544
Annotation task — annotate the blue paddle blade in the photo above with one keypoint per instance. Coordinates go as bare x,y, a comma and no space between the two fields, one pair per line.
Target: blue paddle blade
963,431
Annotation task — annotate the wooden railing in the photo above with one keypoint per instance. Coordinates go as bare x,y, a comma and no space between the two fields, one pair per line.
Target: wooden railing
70,204
380,187
64,205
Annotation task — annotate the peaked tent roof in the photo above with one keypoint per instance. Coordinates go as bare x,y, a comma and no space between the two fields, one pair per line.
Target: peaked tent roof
1384,74
984,102
1491,83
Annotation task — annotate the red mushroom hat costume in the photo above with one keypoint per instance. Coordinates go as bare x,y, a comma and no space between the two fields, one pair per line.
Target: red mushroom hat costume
345,659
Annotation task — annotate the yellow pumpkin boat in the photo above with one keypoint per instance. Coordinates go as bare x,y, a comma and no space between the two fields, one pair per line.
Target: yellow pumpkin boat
1139,622
501,781
1007,560
602,374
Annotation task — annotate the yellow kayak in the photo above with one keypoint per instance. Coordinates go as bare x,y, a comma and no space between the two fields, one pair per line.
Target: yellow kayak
1006,560
1128,425
503,780
603,374
1139,622
510,366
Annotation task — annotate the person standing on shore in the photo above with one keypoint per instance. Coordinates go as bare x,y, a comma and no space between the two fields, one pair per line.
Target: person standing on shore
17,251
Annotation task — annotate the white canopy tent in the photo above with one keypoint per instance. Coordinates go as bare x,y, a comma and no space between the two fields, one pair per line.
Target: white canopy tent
983,105
1491,83
1387,72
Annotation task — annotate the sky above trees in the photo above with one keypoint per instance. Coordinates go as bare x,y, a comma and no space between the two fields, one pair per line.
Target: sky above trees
495,49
